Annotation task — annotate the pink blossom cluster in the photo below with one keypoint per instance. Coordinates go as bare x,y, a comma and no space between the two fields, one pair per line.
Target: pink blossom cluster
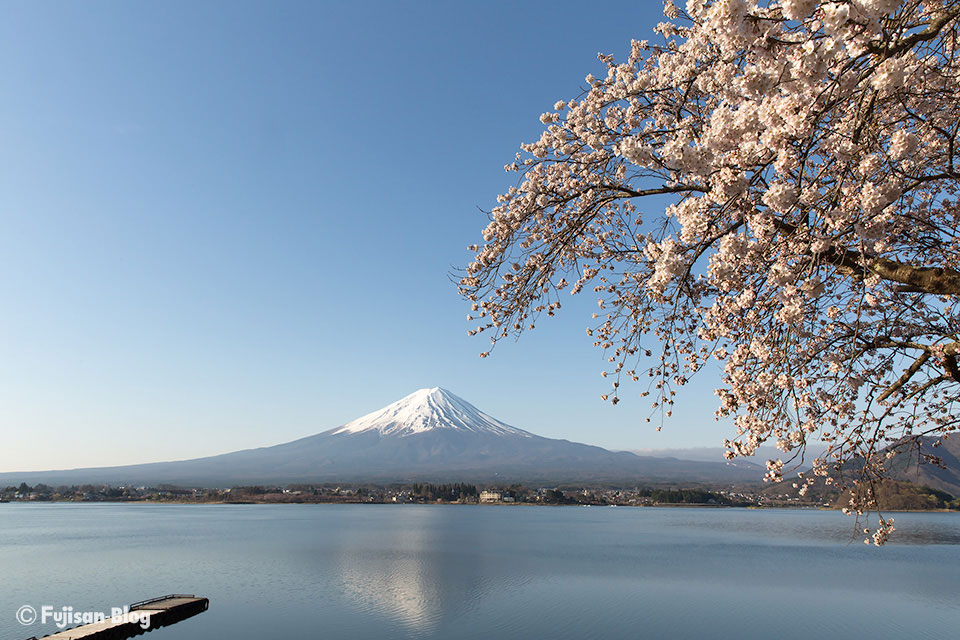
811,151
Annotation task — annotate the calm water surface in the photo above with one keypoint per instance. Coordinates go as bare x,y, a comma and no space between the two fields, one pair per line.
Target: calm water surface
382,571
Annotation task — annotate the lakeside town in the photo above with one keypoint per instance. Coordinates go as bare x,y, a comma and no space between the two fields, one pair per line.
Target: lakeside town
900,495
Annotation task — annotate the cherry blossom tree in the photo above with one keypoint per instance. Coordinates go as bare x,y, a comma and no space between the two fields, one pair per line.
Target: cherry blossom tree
810,244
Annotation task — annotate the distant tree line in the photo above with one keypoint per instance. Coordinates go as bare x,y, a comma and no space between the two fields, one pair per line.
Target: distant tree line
897,495
446,492
46,492
682,496
904,496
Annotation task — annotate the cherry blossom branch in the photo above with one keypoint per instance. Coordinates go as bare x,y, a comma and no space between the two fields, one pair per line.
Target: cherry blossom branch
931,32
902,380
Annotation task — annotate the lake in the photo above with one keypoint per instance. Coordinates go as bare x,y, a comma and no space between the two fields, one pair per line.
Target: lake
403,571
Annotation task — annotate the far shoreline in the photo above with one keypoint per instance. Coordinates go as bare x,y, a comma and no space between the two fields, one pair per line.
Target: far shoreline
455,504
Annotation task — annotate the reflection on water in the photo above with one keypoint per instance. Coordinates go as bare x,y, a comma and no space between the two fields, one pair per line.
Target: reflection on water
369,572
400,586
398,575
419,571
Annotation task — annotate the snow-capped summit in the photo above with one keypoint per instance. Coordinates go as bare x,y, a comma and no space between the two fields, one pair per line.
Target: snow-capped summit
428,409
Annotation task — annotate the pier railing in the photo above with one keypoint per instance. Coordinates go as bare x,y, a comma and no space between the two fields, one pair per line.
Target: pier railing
140,604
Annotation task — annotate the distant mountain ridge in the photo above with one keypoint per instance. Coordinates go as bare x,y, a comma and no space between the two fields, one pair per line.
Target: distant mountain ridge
909,465
429,435
715,454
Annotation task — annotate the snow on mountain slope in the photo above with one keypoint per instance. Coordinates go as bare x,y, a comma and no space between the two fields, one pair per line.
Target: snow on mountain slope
426,410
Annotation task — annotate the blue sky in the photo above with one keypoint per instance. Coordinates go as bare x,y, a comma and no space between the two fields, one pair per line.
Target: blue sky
228,225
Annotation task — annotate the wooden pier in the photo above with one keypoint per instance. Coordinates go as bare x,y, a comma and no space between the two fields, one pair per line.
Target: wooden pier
162,611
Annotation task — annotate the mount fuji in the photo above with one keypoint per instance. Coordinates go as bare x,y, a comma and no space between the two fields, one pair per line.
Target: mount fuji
429,410
430,435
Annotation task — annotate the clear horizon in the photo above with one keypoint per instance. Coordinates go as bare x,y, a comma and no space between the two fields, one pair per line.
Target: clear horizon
232,229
